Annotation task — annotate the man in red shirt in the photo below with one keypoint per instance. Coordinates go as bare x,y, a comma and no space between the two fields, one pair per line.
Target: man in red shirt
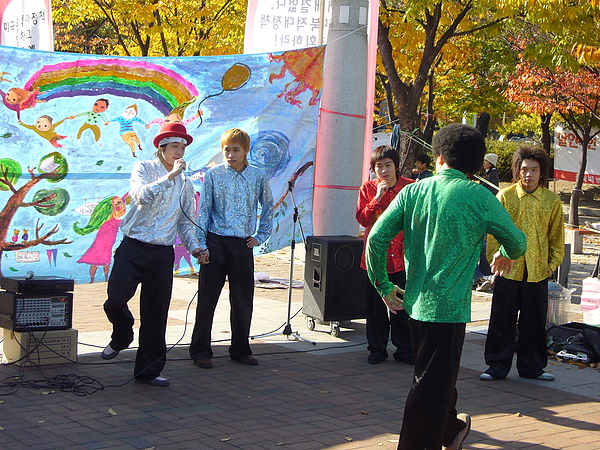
374,197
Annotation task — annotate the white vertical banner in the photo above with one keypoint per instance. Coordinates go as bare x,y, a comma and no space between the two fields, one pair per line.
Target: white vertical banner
27,24
372,18
567,156
280,25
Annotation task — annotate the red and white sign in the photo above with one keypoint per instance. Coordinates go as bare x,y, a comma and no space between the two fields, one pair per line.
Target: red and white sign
567,156
27,24
280,25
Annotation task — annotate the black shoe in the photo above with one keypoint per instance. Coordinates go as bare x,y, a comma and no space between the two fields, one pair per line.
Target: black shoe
109,353
376,358
158,382
406,359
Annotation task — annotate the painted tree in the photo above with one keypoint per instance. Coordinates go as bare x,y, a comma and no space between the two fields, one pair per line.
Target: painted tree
574,96
150,28
49,202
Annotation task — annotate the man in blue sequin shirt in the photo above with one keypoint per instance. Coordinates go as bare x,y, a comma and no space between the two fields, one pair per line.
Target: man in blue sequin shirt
229,206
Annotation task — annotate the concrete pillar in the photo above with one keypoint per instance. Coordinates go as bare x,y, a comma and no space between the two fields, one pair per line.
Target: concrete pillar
340,140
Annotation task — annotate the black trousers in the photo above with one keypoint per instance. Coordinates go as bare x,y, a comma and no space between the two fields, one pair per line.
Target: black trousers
430,411
380,323
151,265
229,257
523,306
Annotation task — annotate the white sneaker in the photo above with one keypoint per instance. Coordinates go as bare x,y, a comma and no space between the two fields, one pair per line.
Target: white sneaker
546,377
485,286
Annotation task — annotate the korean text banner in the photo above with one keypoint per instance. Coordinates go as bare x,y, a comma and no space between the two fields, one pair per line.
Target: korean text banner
72,126
26,24
567,156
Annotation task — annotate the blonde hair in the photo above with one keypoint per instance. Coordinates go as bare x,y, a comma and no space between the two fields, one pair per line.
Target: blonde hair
238,136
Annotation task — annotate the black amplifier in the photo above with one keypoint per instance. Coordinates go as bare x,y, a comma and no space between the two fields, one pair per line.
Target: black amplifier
37,285
36,312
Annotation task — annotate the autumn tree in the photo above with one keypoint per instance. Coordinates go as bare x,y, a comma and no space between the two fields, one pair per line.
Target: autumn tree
150,28
414,36
52,168
575,96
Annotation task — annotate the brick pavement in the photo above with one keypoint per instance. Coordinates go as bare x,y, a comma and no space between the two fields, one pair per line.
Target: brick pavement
300,396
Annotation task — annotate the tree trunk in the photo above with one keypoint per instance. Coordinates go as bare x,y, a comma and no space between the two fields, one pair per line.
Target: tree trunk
483,122
389,98
410,142
574,203
430,120
546,136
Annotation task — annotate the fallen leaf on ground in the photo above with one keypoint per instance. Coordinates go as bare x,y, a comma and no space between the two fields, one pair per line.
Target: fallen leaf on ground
112,412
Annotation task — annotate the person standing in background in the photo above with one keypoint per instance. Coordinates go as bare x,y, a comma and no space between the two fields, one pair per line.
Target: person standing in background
520,300
421,169
483,279
373,198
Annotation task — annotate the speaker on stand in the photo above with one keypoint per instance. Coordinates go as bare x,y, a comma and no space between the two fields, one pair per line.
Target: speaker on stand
335,285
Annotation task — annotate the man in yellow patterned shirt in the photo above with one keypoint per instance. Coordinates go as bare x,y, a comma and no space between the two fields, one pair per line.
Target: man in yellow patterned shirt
520,299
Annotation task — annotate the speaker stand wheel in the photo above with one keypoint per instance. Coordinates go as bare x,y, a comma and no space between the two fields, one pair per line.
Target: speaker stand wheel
310,323
335,329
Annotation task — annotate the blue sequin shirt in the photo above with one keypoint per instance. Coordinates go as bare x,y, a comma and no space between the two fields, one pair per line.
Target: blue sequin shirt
229,204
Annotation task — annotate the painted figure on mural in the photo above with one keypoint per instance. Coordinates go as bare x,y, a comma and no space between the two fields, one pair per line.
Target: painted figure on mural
45,128
105,219
17,99
174,117
93,118
126,122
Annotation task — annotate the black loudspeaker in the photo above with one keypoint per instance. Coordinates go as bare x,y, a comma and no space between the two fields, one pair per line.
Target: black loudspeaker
335,285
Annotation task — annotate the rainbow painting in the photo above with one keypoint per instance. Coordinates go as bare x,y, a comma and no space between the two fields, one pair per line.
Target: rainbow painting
141,80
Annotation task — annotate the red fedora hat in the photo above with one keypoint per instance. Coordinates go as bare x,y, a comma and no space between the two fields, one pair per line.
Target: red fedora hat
172,130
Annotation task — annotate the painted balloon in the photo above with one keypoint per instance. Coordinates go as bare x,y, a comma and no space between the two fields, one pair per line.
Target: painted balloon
235,77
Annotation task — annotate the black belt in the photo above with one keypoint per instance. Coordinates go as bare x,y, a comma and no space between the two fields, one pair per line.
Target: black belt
147,244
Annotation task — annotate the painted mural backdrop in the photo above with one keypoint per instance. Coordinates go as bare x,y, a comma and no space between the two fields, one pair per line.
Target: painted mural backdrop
72,126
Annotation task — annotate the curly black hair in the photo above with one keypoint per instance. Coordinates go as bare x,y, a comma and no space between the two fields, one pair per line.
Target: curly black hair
462,146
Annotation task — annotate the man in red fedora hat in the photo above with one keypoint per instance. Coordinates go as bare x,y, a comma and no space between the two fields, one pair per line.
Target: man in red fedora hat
163,199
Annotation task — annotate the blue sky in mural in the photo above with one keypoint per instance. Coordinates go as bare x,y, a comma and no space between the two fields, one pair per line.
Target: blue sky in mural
53,122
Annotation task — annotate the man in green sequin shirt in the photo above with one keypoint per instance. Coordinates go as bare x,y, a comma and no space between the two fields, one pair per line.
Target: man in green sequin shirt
444,219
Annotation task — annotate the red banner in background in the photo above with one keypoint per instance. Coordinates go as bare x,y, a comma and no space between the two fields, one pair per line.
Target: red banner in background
567,156
26,24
